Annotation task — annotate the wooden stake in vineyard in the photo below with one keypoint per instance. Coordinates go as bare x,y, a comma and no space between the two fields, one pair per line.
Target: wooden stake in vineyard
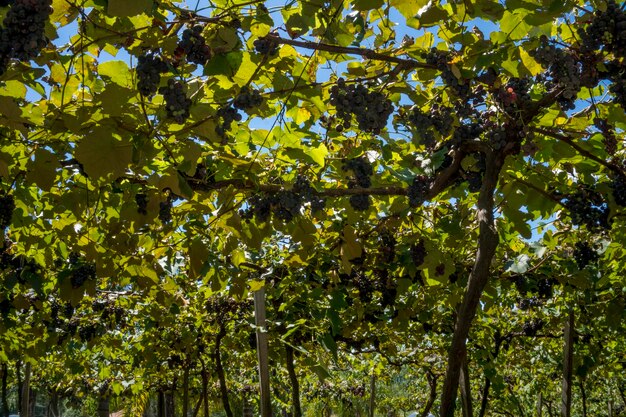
262,352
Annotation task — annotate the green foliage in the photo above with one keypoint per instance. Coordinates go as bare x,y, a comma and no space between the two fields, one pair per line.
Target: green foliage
160,163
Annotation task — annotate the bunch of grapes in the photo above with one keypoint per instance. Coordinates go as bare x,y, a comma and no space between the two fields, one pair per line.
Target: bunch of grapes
609,138
387,246
514,95
466,132
438,119
227,308
418,253
618,187
563,72
364,285
498,136
441,60
228,115
284,204
531,327
388,296
587,207
302,187
545,288
149,70
81,273
87,332
370,108
474,180
528,303
176,102
418,190
266,46
361,169
607,31
141,199
165,211
248,99
618,87
23,33
194,46
259,207
7,206
584,254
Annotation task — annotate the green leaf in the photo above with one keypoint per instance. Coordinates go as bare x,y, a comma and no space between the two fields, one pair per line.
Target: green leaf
104,154
125,8
116,71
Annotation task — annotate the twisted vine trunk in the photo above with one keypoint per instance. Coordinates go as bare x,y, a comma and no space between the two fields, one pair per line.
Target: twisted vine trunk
485,397
103,407
432,382
25,410
466,393
205,389
372,395
487,244
161,404
221,375
293,379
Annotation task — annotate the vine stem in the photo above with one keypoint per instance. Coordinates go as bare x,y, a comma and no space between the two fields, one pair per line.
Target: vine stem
487,245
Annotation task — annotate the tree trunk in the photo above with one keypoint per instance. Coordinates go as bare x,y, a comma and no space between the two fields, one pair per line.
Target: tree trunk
568,352
196,409
5,401
549,407
466,393
262,349
103,407
487,244
372,395
32,404
539,404
25,410
293,379
485,397
186,391
583,395
205,389
160,404
221,376
432,382
170,405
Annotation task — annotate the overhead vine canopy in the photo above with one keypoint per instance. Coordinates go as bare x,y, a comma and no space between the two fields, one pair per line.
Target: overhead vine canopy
381,167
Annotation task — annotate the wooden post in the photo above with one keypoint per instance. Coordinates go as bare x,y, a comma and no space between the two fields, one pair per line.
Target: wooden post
262,352
372,394
568,352
25,412
539,404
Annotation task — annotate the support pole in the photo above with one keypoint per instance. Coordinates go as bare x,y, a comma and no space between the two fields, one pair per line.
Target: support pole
568,353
